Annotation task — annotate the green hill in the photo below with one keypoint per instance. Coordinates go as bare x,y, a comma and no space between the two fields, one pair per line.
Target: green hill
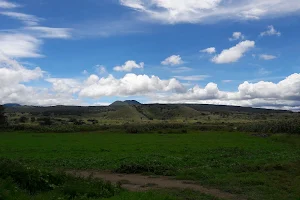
125,103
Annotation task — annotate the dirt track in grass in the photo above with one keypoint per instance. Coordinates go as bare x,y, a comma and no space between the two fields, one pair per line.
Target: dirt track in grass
136,182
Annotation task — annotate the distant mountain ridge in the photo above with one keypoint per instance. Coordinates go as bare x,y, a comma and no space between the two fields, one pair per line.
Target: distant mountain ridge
126,103
11,105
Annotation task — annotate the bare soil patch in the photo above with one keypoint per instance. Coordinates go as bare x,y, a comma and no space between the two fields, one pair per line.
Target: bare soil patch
136,182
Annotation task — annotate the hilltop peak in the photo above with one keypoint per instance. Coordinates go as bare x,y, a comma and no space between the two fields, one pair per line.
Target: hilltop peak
125,103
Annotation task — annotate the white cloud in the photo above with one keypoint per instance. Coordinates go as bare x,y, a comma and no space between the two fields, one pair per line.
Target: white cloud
181,69
47,32
7,5
172,60
29,20
234,53
195,11
192,78
100,69
263,71
12,89
227,81
129,66
271,31
209,50
267,57
64,85
19,45
282,95
85,72
237,36
11,72
130,84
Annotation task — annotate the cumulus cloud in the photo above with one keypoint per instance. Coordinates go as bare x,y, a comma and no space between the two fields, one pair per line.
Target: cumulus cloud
7,5
237,36
271,31
129,66
172,60
19,45
234,53
130,84
47,32
13,77
209,50
267,57
283,95
11,72
29,20
195,11
65,85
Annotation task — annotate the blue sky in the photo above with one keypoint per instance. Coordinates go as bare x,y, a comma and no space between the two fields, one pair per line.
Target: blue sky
94,52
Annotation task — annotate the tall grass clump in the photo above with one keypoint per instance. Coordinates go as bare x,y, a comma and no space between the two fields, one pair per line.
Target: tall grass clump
35,181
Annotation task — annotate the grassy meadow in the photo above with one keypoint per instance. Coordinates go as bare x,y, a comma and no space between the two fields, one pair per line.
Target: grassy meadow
252,166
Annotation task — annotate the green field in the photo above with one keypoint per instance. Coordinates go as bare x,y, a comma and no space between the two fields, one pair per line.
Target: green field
251,166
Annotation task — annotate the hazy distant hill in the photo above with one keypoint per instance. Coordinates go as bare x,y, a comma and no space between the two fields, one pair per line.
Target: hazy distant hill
11,105
132,110
125,103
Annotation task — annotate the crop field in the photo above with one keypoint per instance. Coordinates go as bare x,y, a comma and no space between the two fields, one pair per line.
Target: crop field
250,166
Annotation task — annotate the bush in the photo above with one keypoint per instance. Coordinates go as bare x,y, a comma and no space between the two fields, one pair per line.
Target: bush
28,178
23,119
15,175
140,168
284,126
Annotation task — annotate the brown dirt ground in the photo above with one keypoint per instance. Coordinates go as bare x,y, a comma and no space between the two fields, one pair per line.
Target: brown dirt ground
136,182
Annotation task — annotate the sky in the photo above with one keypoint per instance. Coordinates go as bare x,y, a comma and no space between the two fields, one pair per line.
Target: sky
94,52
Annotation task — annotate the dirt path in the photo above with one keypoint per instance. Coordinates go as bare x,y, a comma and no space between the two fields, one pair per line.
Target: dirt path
135,182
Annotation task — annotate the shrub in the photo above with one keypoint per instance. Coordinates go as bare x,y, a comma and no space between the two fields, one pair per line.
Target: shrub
35,181
284,126
23,119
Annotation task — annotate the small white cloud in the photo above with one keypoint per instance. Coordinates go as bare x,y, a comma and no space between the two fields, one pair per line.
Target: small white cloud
181,69
100,69
172,60
237,36
227,81
129,66
263,72
47,32
267,57
192,78
7,5
271,31
29,20
85,72
209,50
234,53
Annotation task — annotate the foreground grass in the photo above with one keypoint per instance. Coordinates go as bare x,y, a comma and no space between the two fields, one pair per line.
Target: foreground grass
22,182
260,168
